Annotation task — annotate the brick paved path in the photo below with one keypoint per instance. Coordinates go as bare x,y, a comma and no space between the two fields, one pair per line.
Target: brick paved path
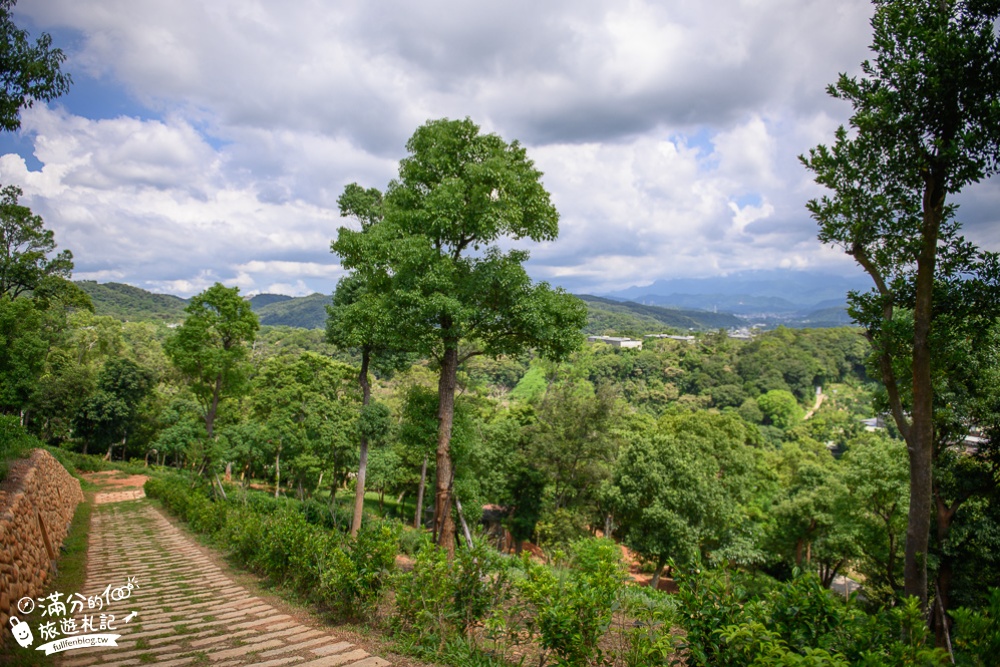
188,609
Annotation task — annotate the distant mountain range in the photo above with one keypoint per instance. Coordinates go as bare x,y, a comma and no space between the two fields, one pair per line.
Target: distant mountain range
133,303
126,302
759,298
627,317
794,298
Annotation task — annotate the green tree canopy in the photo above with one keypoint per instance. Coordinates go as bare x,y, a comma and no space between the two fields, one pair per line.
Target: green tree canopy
28,71
678,491
26,246
434,255
107,416
210,348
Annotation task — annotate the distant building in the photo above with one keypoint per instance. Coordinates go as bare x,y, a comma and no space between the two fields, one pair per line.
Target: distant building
615,341
874,424
689,339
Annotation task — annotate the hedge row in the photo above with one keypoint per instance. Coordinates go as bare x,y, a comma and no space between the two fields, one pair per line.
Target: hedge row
483,607
277,540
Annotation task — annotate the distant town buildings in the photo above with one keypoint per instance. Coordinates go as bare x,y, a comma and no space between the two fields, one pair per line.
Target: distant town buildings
740,334
689,339
616,341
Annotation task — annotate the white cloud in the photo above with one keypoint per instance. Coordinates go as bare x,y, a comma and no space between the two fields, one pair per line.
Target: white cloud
668,132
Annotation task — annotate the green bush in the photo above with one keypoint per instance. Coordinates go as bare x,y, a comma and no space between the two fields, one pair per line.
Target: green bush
15,442
793,623
285,541
356,574
574,610
977,633
412,540
424,598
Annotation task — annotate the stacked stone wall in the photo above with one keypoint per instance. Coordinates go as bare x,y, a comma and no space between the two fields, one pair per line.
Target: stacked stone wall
37,503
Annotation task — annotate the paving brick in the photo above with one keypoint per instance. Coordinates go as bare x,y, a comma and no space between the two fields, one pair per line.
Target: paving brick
336,659
180,586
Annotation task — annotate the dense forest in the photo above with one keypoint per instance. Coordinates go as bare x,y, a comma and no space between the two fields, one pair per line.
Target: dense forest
439,453
709,452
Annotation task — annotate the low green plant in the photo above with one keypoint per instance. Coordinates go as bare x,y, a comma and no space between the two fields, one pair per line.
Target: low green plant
574,607
977,633
15,442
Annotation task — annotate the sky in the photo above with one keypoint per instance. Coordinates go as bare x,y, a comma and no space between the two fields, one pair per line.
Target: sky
208,142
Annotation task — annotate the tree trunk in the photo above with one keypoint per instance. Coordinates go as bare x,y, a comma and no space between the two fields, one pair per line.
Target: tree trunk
277,471
658,572
465,526
213,407
920,444
417,518
229,471
944,516
444,525
359,488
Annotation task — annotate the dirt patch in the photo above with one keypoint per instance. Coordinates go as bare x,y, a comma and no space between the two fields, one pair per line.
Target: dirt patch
116,478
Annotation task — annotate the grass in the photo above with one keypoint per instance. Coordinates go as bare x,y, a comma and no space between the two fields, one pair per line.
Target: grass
200,657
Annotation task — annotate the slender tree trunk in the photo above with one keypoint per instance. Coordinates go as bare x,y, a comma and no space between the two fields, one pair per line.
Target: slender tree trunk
277,471
658,572
444,525
944,516
417,517
465,526
920,444
213,407
359,488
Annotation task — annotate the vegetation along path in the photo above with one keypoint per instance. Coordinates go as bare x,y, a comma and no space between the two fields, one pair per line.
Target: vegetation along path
188,609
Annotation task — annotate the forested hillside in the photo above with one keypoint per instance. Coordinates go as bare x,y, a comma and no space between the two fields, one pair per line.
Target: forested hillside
604,316
126,302
626,317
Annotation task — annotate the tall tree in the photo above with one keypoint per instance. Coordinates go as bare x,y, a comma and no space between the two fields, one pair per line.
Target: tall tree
307,407
359,319
678,489
25,246
452,291
109,414
28,72
210,348
925,125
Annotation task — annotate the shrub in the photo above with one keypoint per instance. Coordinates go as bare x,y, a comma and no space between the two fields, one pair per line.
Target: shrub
356,574
977,633
574,610
15,442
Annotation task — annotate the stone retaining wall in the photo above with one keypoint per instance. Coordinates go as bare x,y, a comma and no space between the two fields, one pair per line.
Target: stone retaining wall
37,503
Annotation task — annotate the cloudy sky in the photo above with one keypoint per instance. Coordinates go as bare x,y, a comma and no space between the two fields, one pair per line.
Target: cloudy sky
208,141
